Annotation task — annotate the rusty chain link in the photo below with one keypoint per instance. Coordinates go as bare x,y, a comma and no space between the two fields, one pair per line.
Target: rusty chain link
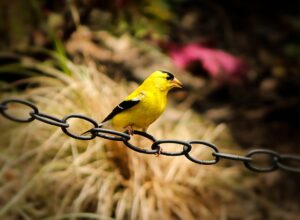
273,160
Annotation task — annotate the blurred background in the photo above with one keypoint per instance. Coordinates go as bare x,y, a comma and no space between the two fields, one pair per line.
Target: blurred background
239,64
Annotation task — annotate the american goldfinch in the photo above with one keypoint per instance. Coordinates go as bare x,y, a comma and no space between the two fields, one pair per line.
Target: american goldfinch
144,105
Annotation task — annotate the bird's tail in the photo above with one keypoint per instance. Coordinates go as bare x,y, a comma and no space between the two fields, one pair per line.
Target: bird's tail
89,131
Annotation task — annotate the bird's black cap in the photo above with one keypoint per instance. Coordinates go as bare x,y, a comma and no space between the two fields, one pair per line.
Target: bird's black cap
170,75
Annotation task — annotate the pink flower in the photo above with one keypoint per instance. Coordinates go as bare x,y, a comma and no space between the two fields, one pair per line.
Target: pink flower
219,64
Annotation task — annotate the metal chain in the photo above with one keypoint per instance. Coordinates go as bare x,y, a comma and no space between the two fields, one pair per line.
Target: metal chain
272,160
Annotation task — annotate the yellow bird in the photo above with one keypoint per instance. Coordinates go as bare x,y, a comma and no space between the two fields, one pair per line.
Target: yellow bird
144,105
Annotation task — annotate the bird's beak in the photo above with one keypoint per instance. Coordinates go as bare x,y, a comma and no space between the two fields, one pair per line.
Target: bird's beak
176,83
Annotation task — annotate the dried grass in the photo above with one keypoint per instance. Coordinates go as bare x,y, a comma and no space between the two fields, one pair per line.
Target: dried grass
48,175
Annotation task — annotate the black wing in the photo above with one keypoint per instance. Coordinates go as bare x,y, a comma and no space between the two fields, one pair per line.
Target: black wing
121,107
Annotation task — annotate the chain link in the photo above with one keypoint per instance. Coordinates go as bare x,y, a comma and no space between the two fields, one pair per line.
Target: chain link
48,119
76,136
207,145
114,135
140,149
272,160
6,103
186,147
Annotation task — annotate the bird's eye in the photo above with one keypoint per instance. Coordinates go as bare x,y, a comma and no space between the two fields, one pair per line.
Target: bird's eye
170,76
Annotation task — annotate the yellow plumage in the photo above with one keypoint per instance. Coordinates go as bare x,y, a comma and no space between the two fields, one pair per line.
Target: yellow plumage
143,114
144,105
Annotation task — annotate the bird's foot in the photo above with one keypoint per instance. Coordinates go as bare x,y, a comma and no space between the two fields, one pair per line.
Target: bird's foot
158,152
130,130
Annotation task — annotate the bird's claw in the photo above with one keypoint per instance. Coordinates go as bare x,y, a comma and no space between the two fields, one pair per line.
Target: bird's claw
157,154
130,130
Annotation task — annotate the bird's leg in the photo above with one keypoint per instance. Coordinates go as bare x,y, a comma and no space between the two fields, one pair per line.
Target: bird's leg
130,130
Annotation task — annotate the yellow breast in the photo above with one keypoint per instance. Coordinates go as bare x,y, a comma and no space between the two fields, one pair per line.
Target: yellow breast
143,114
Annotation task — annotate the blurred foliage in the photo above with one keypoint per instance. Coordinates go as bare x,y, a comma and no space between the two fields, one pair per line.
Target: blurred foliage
145,18
36,19
17,20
